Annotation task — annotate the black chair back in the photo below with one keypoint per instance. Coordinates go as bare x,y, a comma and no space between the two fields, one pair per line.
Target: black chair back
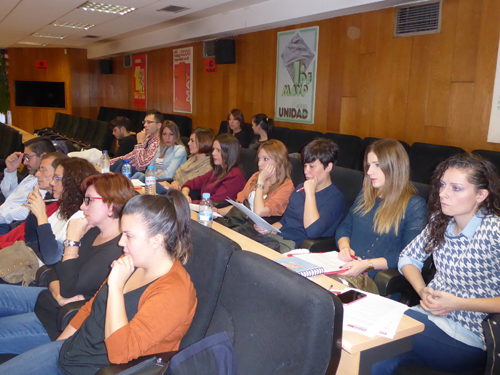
279,322
299,138
281,134
349,182
349,147
247,164
493,156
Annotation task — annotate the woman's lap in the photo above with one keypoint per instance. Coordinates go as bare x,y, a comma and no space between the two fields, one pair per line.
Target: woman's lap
436,349
22,332
16,299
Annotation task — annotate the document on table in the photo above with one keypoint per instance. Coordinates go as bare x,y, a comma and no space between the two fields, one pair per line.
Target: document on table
137,183
196,208
373,315
253,216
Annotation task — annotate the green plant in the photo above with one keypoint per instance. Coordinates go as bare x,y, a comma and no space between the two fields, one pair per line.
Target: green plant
4,87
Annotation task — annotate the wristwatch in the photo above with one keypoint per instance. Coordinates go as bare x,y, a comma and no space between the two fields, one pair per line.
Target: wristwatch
260,186
370,266
67,243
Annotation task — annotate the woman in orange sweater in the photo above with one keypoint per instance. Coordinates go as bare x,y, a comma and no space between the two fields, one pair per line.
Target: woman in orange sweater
146,305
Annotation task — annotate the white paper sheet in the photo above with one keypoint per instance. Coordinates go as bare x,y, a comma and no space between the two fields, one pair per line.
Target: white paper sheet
254,217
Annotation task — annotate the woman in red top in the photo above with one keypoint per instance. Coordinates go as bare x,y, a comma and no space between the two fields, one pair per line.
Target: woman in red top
226,179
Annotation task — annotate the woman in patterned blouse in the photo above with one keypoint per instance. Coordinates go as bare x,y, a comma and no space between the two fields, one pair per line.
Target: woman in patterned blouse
464,238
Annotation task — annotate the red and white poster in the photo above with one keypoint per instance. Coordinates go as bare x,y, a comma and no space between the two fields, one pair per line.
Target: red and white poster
183,80
139,64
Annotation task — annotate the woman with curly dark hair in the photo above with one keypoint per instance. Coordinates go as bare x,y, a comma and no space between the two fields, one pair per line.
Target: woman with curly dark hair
463,236
47,237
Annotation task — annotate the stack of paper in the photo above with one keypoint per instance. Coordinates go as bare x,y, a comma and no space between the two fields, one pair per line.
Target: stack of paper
196,208
373,315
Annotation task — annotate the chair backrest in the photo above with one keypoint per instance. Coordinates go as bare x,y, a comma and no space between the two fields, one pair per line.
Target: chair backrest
349,182
279,322
297,171
299,138
425,157
493,156
247,164
349,149
423,190
281,134
206,266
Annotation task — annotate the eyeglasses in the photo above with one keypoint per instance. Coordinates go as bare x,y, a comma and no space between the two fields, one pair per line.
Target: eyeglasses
28,157
148,122
87,200
57,178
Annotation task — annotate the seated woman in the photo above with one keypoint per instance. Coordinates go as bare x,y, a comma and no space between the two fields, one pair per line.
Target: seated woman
238,128
28,316
386,216
226,179
262,127
145,307
269,189
198,163
463,236
44,233
171,154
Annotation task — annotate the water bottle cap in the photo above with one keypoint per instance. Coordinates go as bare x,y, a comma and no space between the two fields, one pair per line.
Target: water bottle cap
105,152
127,161
151,167
206,195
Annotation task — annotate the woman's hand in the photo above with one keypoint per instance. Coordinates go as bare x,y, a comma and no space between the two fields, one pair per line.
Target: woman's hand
186,192
77,228
355,267
175,185
261,230
121,269
438,302
64,301
165,184
37,206
268,172
346,254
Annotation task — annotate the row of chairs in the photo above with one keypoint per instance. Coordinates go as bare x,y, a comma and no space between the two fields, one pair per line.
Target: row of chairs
107,114
424,157
80,131
272,311
12,141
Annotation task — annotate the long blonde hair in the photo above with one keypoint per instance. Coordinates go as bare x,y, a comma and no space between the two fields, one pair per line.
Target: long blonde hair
397,190
279,153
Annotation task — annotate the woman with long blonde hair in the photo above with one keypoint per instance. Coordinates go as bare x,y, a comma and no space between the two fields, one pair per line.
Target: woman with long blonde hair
386,215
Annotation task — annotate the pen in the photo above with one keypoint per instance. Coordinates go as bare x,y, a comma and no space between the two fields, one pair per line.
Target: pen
302,188
47,201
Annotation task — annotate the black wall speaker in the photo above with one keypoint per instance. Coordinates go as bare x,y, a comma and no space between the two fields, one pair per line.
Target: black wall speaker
106,66
225,51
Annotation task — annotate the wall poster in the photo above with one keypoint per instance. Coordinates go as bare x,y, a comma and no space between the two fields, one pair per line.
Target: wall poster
139,64
296,75
183,80
494,129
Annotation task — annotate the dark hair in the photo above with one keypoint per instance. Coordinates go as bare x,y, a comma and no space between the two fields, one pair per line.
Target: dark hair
205,138
159,118
322,149
75,170
167,215
121,122
115,189
40,145
230,151
480,173
238,116
58,157
266,123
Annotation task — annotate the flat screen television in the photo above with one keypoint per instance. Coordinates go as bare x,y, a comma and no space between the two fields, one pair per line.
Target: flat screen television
39,94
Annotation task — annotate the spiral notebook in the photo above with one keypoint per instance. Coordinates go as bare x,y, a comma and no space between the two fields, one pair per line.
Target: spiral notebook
301,266
313,264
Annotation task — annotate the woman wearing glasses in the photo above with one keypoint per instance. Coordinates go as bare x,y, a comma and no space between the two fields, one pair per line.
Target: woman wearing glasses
28,316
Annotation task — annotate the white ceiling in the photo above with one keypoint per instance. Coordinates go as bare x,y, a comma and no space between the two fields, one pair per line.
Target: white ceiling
146,28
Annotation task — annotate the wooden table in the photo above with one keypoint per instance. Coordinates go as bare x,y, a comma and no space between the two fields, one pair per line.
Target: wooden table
359,352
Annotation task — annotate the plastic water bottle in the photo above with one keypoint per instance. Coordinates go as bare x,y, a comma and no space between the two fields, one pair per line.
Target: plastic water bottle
150,181
105,162
206,215
127,169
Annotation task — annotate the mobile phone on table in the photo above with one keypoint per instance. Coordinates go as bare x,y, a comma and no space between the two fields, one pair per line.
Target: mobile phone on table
351,296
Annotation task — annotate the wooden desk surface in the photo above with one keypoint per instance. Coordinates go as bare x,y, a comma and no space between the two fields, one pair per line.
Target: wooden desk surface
352,342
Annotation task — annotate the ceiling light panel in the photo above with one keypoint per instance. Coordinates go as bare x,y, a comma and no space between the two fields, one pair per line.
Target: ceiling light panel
51,36
73,25
106,8
32,43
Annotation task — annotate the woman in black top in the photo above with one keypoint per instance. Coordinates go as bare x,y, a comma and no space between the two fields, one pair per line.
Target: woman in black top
28,315
238,128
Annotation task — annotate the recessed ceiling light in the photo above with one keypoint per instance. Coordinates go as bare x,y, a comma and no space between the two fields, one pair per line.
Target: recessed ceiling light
32,44
73,25
106,8
38,35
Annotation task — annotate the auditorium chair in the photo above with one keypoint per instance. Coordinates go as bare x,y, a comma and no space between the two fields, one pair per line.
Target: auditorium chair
281,134
278,321
425,157
493,156
299,138
349,149
11,141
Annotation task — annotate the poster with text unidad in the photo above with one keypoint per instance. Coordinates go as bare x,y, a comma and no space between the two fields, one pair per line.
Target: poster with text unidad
296,75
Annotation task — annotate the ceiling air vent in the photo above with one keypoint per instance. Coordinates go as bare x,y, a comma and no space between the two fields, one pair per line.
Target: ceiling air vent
173,9
418,19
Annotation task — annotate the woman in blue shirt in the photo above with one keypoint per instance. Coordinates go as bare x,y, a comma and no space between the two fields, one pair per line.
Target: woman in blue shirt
386,215
171,153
